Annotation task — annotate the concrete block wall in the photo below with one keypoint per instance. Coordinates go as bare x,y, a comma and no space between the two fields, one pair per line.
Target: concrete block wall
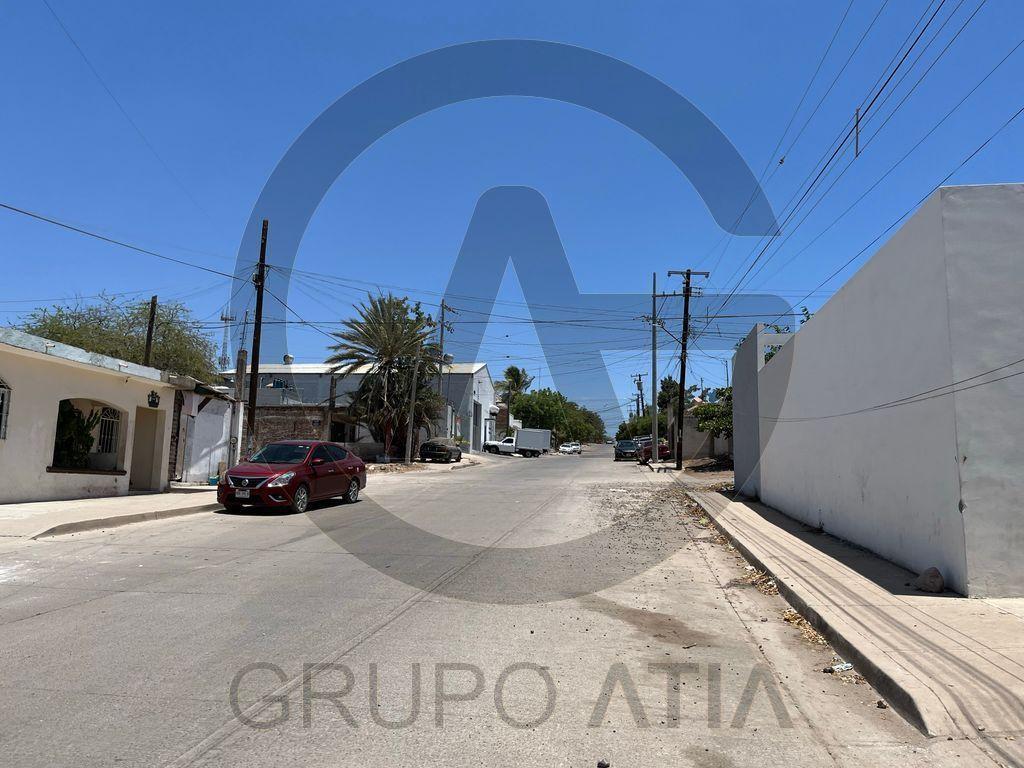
933,482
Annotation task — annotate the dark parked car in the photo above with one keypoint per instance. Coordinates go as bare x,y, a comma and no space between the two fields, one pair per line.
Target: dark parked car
441,449
292,473
625,449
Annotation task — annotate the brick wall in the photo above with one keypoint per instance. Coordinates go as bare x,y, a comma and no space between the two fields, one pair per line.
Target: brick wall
289,422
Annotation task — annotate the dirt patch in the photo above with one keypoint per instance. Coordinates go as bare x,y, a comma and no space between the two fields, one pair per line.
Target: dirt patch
716,464
380,469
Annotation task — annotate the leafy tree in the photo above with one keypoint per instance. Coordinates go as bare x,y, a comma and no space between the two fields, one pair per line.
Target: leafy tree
118,329
516,382
667,392
383,342
716,418
567,420
640,426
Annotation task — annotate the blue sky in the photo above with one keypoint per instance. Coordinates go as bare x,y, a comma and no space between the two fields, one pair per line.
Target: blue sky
220,90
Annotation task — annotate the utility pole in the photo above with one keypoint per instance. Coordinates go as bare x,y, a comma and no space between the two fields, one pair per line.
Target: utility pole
412,407
332,403
726,372
440,367
654,366
680,405
240,364
638,379
149,331
259,280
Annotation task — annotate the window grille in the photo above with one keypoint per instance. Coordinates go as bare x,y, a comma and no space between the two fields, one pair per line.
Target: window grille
5,406
110,428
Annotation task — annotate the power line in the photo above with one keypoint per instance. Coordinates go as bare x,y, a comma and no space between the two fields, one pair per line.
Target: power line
920,397
771,156
842,145
910,210
113,241
122,110
899,162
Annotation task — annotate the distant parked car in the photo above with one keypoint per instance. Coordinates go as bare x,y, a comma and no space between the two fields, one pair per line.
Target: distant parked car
569,448
645,452
292,473
625,449
441,449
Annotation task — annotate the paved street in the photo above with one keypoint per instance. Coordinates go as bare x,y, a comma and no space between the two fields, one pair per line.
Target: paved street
445,619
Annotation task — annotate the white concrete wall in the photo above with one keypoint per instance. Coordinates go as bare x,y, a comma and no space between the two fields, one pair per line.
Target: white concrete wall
984,232
884,479
208,438
38,384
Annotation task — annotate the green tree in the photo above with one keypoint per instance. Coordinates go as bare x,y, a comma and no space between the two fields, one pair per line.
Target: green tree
516,382
667,392
383,343
118,329
716,418
567,420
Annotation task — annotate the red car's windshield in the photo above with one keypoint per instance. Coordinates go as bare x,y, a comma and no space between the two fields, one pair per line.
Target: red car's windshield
281,453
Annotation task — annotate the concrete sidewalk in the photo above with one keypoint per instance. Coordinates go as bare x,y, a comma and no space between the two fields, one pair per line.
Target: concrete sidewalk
951,665
49,518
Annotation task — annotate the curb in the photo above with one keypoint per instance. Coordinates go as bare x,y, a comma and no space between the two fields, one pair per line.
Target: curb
117,521
907,697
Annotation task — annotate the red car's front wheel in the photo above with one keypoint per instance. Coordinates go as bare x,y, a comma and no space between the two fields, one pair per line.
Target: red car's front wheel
300,501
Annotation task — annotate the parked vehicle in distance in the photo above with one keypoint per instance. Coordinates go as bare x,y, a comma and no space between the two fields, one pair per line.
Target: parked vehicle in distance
569,448
292,473
625,449
645,452
441,449
526,442
576,447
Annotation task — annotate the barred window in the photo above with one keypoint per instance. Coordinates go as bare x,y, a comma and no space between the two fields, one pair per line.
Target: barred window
110,428
5,407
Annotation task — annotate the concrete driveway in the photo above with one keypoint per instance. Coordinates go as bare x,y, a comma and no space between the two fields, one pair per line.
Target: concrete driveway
443,621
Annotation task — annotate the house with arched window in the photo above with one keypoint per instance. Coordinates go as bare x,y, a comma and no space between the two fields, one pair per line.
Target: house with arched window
74,424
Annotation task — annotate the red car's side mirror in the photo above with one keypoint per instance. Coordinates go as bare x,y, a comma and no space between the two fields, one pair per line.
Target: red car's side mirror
316,462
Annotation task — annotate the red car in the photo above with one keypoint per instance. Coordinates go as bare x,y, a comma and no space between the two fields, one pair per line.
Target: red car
644,454
292,473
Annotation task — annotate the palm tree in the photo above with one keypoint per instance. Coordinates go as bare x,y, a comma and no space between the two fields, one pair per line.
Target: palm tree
383,342
516,382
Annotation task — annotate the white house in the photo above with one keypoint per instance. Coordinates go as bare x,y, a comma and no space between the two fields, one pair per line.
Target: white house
51,392
292,402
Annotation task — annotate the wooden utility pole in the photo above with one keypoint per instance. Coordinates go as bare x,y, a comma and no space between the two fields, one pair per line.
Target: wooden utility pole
654,366
240,363
681,404
149,332
259,280
332,404
441,367
412,407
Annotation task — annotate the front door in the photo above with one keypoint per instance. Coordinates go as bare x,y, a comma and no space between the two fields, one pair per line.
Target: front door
343,461
328,478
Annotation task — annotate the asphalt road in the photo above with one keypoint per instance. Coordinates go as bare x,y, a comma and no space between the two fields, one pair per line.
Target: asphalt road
555,611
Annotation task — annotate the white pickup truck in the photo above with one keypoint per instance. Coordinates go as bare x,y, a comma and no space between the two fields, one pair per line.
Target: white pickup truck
525,442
